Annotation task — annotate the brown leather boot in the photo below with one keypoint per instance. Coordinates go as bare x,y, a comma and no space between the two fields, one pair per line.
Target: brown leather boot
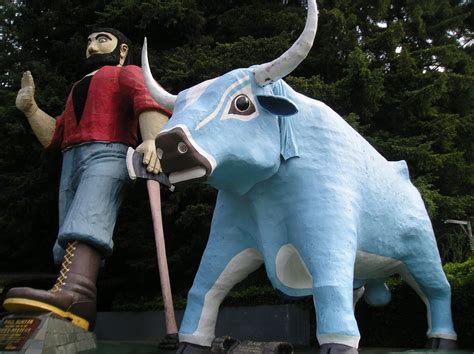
74,294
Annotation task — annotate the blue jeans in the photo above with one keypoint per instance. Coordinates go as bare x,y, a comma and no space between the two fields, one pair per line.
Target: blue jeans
92,185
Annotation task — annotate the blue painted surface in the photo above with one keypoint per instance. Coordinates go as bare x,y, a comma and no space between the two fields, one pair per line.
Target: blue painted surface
308,182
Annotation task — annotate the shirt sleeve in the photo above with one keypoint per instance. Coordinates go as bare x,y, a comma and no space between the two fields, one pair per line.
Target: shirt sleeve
132,83
57,140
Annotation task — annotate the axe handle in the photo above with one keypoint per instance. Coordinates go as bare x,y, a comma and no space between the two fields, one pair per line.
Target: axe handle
155,206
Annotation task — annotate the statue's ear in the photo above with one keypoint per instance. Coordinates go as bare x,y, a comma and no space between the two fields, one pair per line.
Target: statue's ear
278,105
123,52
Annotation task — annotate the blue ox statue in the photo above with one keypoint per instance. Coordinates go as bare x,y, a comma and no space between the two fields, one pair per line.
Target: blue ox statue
301,192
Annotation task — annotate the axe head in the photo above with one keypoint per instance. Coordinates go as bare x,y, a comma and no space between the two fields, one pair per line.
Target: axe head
136,169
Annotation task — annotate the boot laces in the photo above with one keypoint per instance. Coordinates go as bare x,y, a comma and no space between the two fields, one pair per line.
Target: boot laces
67,260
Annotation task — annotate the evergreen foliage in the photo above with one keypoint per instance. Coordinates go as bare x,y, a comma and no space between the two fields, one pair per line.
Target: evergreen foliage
400,71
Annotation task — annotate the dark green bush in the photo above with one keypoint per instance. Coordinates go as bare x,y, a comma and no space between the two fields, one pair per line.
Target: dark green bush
402,323
454,247
461,278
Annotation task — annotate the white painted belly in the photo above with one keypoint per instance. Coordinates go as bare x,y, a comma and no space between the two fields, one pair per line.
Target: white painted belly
293,273
291,270
372,266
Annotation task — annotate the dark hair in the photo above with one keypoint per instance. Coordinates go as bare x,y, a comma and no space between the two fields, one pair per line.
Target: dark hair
122,39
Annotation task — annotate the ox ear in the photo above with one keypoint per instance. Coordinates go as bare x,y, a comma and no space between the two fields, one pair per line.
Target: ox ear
278,105
288,144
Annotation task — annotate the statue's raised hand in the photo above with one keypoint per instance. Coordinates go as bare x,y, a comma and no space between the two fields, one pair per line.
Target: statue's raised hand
43,125
25,99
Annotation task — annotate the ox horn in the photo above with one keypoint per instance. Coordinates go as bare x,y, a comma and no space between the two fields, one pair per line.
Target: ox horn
270,72
159,94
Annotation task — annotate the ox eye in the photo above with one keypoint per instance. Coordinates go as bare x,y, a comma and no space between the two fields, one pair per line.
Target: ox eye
242,105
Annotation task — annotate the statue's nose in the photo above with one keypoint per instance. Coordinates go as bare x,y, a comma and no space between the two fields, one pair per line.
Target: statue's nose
92,49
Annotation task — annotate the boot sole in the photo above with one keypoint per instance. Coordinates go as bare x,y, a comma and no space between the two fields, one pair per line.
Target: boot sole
26,305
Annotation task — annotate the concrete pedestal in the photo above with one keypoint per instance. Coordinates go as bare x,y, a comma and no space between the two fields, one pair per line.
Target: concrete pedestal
43,333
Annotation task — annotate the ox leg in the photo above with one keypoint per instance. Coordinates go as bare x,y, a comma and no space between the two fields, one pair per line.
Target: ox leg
336,325
427,278
329,256
223,265
332,273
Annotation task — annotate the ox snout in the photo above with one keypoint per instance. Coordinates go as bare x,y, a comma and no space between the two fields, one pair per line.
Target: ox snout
181,158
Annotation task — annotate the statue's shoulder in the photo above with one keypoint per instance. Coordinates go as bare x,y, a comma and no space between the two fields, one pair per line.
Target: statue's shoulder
131,76
131,70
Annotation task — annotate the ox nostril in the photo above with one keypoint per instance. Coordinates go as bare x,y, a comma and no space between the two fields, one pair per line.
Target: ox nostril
159,153
182,148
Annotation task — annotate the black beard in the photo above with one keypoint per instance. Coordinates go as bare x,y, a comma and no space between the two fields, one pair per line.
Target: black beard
96,61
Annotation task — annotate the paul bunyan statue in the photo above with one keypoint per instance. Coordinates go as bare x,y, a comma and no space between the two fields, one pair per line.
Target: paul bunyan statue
301,192
103,113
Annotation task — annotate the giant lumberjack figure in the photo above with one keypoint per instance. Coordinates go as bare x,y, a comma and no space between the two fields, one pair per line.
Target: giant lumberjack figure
101,119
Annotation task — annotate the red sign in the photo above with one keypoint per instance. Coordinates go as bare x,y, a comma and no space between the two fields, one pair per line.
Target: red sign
14,332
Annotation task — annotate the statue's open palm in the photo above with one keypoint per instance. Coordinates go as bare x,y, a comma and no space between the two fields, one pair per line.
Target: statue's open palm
25,99
43,125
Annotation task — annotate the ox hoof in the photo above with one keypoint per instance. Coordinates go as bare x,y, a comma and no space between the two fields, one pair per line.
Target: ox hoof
189,348
441,343
334,348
